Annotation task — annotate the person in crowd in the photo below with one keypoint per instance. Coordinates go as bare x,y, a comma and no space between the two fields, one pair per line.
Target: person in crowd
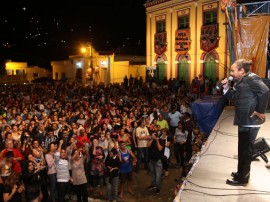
194,88
6,165
174,117
185,107
251,97
32,182
125,137
155,164
49,138
127,159
180,139
112,164
134,125
97,166
142,135
17,156
165,136
81,138
62,171
189,124
103,142
162,122
154,115
37,152
79,179
13,189
165,112
51,170
42,173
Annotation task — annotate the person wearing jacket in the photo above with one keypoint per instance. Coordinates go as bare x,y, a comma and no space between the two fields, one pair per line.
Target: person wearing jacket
251,98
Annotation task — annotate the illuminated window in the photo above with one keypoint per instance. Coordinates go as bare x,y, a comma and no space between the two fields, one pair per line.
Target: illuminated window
183,22
210,17
161,26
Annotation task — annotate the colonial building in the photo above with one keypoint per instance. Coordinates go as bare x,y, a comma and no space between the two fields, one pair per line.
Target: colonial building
20,72
186,38
92,67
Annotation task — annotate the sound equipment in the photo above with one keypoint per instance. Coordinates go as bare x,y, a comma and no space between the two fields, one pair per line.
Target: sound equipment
260,148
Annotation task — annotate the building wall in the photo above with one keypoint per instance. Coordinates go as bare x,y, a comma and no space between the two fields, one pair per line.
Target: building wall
36,72
13,67
68,67
18,72
118,71
96,68
137,71
195,57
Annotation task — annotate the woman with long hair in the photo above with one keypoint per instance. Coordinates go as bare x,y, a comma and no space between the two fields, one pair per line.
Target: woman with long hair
32,182
13,189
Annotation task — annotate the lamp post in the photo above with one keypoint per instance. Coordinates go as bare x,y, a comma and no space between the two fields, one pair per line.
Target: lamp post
86,51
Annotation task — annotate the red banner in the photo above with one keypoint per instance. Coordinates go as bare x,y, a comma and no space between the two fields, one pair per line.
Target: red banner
160,43
209,37
182,41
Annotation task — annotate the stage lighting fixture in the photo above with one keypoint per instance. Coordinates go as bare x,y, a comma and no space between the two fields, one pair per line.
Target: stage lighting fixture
260,148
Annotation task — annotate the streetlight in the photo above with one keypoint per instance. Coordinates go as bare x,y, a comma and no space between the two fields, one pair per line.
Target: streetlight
86,51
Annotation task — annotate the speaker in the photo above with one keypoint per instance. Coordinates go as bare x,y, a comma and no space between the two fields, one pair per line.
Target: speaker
260,147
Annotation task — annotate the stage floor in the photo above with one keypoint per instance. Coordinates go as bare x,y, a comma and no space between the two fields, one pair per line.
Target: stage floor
207,181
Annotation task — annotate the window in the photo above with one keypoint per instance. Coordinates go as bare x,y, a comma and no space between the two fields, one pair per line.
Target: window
19,72
210,17
63,75
10,72
56,75
160,26
183,22
35,75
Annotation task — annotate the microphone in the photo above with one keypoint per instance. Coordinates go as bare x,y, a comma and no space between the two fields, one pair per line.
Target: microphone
218,87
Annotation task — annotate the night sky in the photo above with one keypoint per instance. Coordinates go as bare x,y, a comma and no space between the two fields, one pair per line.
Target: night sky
38,31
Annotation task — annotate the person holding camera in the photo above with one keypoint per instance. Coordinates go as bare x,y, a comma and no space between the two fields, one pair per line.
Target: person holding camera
155,146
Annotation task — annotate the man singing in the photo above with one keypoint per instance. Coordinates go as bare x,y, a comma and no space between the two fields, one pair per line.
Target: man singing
251,98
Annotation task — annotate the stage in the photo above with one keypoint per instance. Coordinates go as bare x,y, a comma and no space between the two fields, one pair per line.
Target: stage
206,180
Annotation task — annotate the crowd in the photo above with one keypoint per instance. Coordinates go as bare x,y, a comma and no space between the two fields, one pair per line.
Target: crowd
59,138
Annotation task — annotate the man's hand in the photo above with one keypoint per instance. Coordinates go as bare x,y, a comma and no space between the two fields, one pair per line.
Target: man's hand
259,115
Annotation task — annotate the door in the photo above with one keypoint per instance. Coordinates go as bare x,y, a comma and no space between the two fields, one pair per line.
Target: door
210,70
183,71
161,72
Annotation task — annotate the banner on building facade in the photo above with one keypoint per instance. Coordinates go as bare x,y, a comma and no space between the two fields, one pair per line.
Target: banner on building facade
160,43
253,42
182,41
209,37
